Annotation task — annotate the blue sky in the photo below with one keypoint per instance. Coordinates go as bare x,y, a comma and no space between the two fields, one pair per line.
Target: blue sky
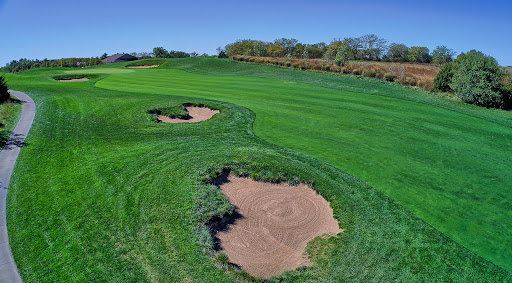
76,28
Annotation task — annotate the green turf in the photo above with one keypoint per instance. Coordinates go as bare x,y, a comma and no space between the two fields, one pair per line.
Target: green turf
102,193
446,166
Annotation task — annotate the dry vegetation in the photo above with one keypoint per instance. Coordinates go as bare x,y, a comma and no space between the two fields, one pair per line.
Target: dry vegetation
419,75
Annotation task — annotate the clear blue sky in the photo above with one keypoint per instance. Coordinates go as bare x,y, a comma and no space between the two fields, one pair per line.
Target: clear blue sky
74,28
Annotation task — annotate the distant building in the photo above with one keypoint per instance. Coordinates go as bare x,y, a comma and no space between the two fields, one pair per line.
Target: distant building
119,57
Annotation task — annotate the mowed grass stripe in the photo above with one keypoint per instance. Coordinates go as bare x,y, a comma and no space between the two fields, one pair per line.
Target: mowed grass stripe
449,168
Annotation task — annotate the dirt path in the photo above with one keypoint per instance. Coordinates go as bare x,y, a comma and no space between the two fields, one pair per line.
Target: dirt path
276,222
8,156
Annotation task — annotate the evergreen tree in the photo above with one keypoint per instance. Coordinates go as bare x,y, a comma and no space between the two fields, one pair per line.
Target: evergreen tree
4,90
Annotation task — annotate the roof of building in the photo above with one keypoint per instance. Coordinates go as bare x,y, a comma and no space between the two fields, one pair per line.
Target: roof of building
119,56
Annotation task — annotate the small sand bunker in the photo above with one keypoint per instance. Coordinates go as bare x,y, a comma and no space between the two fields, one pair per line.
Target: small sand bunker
75,80
277,221
143,66
197,114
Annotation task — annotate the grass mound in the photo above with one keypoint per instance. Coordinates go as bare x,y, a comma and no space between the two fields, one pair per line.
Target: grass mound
147,62
65,77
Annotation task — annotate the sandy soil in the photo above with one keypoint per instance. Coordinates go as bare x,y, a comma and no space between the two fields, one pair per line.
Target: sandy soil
75,80
143,66
198,114
277,221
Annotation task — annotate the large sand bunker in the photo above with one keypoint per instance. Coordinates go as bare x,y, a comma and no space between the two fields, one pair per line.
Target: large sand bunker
74,80
197,114
276,221
143,66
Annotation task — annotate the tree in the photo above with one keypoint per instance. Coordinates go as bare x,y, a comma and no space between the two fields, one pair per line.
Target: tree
373,46
444,77
4,90
342,55
221,53
286,44
419,54
398,52
104,56
160,52
477,79
442,55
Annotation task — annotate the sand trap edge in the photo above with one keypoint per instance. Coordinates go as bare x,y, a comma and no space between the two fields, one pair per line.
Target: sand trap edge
277,254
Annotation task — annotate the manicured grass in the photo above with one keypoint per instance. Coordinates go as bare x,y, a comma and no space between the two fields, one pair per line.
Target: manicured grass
102,193
442,163
9,114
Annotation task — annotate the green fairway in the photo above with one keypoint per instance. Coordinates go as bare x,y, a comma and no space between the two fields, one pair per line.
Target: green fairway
447,167
102,193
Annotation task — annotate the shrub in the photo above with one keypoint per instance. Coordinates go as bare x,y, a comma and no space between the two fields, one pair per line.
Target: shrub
408,81
345,70
390,77
316,67
443,79
357,72
379,75
369,74
477,79
4,90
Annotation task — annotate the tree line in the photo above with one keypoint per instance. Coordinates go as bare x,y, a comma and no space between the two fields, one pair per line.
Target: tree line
369,47
24,64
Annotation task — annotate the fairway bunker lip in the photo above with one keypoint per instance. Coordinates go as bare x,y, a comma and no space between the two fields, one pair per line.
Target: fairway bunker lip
143,66
84,79
195,114
271,226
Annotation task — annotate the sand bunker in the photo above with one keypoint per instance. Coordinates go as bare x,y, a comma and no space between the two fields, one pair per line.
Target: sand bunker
75,80
198,114
276,223
143,66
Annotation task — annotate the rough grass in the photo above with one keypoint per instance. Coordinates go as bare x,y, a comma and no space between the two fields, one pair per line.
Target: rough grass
76,76
104,194
9,114
147,62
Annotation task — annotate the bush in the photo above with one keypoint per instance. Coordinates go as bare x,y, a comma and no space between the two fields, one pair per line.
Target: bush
443,79
357,72
4,90
477,80
390,77
345,70
369,74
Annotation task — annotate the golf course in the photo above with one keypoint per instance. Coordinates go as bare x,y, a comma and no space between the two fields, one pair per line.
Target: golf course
418,183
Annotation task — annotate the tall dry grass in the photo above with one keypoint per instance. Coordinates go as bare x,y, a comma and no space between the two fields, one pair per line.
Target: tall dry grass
417,75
